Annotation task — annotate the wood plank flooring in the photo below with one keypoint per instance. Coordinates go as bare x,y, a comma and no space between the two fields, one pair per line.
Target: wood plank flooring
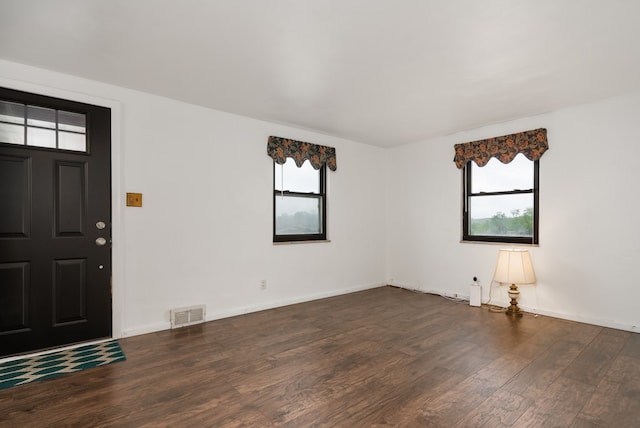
381,357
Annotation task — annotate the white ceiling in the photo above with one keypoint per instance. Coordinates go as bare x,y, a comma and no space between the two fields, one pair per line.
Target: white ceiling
381,72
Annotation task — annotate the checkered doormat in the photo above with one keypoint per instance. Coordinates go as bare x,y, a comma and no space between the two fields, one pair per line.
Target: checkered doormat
31,369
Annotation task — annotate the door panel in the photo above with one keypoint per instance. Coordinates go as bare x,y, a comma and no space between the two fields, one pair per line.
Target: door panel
70,198
14,192
14,293
69,289
55,281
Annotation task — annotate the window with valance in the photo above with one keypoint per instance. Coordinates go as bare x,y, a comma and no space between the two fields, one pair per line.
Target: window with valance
299,189
501,187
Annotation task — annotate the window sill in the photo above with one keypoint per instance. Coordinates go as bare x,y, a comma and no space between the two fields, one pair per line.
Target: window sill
312,241
511,244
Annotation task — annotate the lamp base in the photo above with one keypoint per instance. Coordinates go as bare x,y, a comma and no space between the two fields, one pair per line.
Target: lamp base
513,310
513,313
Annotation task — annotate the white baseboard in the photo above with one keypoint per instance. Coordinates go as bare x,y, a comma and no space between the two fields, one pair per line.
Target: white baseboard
587,320
215,315
569,317
145,329
286,302
444,293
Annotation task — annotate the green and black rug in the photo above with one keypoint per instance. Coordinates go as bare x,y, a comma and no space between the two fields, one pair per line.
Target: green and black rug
31,369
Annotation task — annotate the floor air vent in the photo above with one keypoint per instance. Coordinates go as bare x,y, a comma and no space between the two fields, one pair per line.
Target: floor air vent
182,317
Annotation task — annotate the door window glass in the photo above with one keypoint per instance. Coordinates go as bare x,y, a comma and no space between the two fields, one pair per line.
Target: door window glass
35,126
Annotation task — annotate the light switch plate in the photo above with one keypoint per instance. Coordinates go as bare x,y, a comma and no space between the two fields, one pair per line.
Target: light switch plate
134,199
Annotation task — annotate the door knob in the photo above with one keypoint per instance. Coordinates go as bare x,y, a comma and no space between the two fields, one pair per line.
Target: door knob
101,241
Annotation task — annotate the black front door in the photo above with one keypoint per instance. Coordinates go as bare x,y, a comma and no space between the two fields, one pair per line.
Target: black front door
55,222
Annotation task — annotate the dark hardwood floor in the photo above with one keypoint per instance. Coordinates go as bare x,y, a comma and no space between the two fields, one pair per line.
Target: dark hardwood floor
379,357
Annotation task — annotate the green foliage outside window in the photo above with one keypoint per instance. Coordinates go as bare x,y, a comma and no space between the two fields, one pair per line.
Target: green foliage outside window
518,224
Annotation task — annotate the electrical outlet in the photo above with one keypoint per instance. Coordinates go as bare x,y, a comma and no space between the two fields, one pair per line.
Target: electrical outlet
263,284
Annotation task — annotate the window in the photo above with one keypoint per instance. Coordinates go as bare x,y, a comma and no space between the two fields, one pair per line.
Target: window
500,186
299,202
501,201
35,126
299,188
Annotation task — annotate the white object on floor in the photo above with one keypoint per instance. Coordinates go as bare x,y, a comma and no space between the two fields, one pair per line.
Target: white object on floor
474,294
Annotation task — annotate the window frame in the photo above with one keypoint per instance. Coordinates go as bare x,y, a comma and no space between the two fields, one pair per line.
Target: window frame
466,199
322,196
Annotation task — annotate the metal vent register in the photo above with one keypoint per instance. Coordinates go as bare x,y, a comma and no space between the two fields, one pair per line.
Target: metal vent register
182,317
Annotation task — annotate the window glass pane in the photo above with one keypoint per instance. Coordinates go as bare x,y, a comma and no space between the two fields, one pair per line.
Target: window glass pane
41,137
298,215
496,176
12,134
42,117
501,215
74,122
11,112
72,141
304,179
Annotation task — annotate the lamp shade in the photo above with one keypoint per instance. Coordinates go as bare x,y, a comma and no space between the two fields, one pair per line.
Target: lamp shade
514,267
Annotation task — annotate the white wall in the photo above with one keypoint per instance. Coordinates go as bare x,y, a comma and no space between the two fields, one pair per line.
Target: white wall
204,233
589,209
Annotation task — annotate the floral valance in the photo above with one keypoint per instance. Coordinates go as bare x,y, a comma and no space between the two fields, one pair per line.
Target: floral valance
282,148
531,143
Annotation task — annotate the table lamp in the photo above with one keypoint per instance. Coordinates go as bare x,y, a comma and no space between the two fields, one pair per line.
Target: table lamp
514,267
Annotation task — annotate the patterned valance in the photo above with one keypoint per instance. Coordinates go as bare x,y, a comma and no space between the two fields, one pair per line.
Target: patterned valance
282,148
531,143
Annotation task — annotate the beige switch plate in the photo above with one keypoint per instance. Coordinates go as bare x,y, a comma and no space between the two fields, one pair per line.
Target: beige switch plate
134,199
